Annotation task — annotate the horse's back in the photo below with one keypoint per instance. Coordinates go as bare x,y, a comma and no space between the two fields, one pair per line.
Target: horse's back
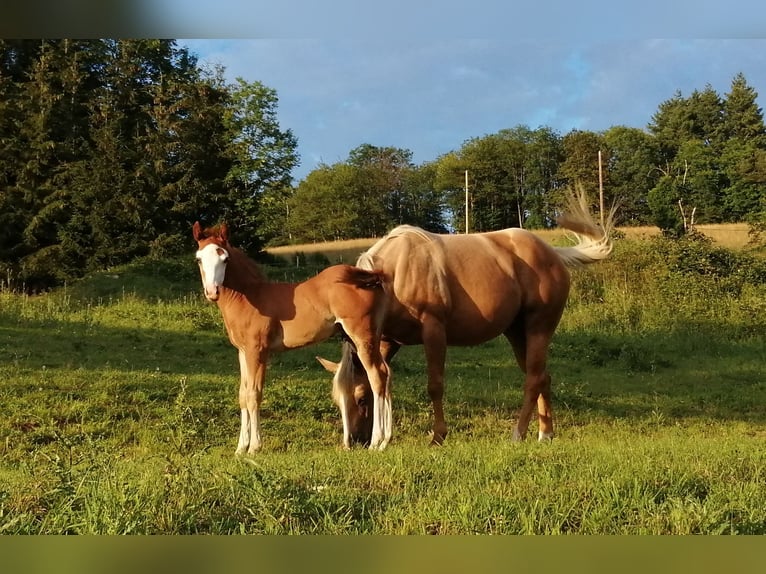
475,284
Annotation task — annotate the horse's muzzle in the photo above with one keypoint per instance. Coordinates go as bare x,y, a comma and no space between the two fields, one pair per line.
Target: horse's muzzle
213,293
361,439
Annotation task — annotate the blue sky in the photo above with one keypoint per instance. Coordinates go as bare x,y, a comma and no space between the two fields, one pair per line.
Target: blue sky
431,95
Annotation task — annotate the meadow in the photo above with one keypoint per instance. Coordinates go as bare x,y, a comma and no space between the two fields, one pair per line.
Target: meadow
120,414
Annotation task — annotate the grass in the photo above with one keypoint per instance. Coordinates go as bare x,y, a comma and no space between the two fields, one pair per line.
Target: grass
119,396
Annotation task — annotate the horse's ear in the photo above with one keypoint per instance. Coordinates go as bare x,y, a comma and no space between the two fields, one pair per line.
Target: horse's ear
328,365
197,232
224,232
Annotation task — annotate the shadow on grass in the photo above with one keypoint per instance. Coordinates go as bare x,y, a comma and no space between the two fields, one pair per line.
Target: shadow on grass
54,344
706,372
703,373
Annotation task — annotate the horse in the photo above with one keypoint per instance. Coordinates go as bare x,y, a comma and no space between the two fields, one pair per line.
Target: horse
262,317
465,290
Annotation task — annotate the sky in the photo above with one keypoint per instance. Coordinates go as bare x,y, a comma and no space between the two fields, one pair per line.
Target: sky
430,95
427,75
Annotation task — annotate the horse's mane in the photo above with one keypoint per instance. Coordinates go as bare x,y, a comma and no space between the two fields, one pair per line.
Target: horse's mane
345,375
244,264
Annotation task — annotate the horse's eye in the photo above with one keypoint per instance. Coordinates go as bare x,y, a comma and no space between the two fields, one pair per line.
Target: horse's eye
362,402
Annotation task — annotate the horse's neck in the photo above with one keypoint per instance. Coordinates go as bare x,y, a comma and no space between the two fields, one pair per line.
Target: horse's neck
243,277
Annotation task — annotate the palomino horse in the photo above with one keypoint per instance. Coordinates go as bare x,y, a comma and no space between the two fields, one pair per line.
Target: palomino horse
263,317
465,290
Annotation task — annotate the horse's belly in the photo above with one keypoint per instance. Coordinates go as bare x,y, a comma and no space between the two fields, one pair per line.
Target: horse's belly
464,324
481,313
295,336
478,330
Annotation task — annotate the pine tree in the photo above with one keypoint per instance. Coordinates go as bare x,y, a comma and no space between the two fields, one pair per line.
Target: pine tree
743,157
742,118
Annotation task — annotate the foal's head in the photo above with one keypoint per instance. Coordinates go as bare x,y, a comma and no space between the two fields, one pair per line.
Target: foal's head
212,256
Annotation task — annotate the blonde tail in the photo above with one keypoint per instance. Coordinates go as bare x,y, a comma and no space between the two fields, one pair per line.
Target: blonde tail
593,242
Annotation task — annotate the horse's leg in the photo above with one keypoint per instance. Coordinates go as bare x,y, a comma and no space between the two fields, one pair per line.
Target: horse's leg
252,366
388,349
435,346
244,429
531,350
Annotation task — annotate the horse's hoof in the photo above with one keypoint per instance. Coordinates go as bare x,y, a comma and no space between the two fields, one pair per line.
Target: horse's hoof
437,440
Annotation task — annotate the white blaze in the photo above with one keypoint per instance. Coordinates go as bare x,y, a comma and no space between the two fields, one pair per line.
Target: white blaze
212,265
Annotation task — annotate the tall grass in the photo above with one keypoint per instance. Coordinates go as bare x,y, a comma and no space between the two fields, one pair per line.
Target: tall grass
120,415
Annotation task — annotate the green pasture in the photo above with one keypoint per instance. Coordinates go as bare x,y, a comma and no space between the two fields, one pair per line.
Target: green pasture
119,415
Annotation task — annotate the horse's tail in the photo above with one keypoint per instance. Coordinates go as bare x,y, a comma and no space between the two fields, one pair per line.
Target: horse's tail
594,243
365,279
372,280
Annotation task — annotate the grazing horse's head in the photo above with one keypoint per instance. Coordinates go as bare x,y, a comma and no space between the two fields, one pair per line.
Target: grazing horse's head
212,256
352,392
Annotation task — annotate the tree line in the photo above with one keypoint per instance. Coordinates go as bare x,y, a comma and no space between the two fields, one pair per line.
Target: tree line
111,149
703,156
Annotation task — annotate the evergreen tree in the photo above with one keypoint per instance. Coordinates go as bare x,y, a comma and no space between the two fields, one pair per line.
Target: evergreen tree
690,133
112,148
742,118
743,157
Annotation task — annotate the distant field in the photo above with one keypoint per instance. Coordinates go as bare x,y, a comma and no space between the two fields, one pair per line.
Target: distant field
731,235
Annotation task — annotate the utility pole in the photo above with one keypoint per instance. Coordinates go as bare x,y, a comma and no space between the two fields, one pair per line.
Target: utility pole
600,190
466,201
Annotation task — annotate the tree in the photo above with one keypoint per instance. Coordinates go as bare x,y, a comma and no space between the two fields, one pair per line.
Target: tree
112,148
264,156
690,134
580,165
743,164
375,189
540,192
742,118
16,60
630,165
743,157
52,132
324,206
380,174
512,175
421,203
679,119
449,182
493,201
